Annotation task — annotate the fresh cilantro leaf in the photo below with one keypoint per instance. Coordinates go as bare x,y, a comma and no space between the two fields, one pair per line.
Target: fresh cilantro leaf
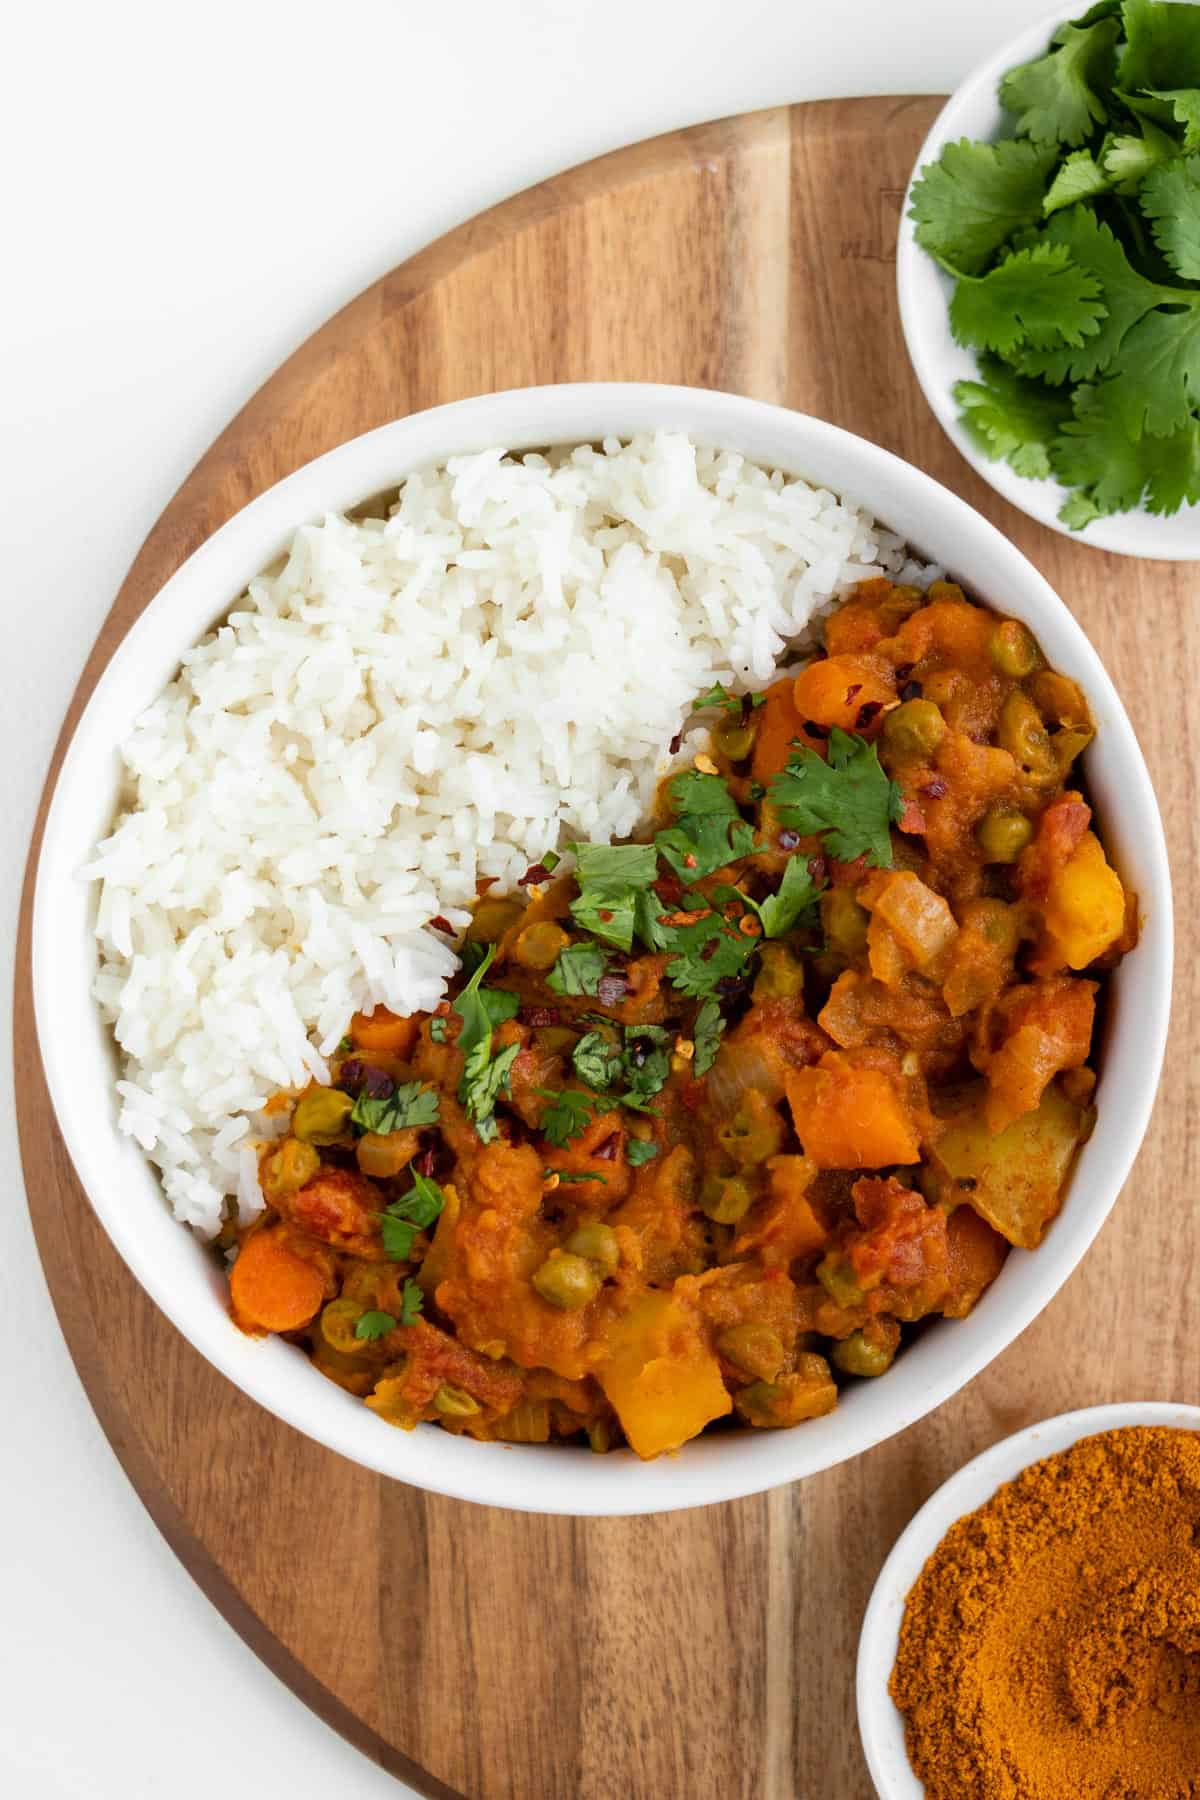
1162,47
345,1047
639,1151
1128,296
648,920
437,1030
706,1035
1103,9
1156,378
1078,511
1128,159
1055,96
758,699
849,798
708,832
975,196
1010,417
484,1076
717,695
709,953
568,1115
482,1009
413,1212
1114,472
410,1106
373,1325
596,1060
412,1300
573,1175
797,892
610,877
422,1203
1035,296
645,1062
578,970
1170,198
1081,177
472,953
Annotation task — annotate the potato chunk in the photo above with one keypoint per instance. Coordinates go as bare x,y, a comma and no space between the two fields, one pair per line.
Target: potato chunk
1085,905
1012,1177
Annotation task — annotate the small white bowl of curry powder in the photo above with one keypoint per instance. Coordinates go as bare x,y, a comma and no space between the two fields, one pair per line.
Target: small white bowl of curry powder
1035,1632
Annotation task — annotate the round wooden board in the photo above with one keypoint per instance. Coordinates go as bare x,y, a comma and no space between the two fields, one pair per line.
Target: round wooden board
707,1654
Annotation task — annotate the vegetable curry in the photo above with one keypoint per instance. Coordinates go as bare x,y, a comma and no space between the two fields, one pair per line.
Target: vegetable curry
709,1121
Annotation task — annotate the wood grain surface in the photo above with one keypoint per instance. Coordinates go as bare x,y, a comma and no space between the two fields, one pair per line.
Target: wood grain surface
704,1655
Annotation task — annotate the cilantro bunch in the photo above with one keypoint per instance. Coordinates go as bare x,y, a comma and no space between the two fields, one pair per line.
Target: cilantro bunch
1075,244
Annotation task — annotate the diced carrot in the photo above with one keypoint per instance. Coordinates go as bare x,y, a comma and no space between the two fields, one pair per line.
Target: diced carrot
778,724
272,1288
848,1118
383,1031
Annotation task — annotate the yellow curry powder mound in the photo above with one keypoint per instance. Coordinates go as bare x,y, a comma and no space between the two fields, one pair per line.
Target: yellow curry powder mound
1050,1648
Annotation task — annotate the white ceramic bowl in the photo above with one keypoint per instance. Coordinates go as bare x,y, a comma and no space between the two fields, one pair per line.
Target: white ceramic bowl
924,291
181,1276
879,1722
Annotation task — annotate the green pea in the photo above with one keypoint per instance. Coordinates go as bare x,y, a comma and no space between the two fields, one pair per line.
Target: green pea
734,737
320,1118
725,1202
537,947
1003,833
1022,733
840,1282
855,1356
1014,649
567,1281
338,1320
755,1349
455,1402
289,1168
597,1243
599,1436
914,729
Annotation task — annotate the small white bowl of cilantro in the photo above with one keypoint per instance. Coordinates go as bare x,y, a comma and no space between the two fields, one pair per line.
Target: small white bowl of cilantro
1049,275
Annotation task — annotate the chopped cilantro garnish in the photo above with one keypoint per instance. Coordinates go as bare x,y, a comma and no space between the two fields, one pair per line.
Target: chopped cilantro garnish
412,1300
596,1060
484,1078
578,970
639,1151
413,1212
345,1047
717,695
797,892
373,1325
708,832
481,1010
568,1115
610,877
710,952
437,1030
576,1175
706,1036
410,1106
849,799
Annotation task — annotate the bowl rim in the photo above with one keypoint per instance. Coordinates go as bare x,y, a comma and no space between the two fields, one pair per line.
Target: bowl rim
204,587
923,291
881,1725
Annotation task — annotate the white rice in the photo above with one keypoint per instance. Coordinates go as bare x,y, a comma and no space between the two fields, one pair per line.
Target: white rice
494,670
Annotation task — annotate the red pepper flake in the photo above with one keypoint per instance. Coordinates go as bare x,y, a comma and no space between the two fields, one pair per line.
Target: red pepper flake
484,882
851,691
611,990
689,862
424,1164
818,867
534,876
789,840
813,730
686,918
442,924
607,1151
868,713
604,915
676,744
935,789
669,889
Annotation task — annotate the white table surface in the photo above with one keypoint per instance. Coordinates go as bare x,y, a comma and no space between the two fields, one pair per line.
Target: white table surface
191,191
